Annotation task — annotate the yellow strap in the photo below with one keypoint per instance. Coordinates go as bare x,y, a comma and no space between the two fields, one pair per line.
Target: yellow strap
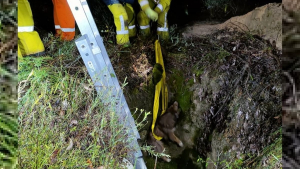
160,87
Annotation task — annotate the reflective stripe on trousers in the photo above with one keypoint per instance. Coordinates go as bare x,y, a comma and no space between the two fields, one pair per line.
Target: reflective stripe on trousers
131,27
65,29
165,28
160,7
143,3
122,31
145,27
25,28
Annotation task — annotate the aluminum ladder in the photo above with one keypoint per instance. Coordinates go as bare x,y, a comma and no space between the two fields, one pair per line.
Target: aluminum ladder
95,57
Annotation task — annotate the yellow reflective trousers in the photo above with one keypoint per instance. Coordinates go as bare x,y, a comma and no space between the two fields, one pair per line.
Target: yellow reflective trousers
29,41
162,9
124,22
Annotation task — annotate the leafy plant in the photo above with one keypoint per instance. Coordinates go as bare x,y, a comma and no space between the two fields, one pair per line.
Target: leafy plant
63,121
8,82
8,121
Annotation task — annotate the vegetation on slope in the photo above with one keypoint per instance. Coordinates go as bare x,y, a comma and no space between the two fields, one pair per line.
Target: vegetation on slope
8,83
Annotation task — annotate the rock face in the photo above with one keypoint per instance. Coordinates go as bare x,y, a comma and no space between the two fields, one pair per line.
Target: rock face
263,21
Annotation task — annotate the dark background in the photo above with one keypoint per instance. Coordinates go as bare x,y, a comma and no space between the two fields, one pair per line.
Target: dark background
197,11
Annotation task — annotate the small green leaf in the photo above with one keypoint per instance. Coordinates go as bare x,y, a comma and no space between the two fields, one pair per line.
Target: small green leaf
112,75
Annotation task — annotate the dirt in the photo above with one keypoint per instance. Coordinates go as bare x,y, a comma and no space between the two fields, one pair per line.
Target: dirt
290,67
8,82
228,82
262,21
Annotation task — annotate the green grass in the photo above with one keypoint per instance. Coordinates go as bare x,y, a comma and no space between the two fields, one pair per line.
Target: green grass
8,83
272,154
63,121
8,120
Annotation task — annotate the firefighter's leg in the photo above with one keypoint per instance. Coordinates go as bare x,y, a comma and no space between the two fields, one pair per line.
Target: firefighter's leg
162,25
56,23
66,20
121,22
144,21
131,19
29,41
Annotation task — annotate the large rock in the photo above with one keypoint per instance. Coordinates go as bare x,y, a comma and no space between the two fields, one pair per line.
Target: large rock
263,21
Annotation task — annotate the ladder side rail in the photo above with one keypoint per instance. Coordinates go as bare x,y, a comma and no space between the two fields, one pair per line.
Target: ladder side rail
99,57
94,34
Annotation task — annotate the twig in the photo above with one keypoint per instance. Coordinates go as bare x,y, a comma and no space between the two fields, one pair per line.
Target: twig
240,26
293,84
295,65
9,19
155,162
234,87
12,42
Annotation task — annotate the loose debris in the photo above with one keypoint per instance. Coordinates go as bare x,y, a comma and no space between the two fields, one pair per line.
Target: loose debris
248,69
67,124
291,81
8,82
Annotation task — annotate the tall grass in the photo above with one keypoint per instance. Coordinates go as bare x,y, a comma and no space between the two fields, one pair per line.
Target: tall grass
63,121
8,120
8,83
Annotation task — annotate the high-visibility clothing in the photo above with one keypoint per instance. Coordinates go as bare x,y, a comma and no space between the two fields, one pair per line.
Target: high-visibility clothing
161,7
124,19
29,41
121,22
131,19
19,53
64,20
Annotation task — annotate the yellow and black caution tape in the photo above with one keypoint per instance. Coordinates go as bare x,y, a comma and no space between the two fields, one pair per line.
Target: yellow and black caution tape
161,86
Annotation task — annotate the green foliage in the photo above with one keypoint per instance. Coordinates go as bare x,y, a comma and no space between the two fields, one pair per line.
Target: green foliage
220,8
216,3
64,123
8,12
222,54
8,121
232,164
271,155
150,150
181,88
8,83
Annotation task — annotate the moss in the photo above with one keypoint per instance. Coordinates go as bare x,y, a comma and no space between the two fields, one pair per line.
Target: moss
183,161
226,148
150,162
198,72
181,87
272,154
210,137
222,54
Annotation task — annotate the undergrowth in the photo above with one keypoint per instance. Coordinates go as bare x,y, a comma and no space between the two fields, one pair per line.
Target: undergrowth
63,121
8,82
